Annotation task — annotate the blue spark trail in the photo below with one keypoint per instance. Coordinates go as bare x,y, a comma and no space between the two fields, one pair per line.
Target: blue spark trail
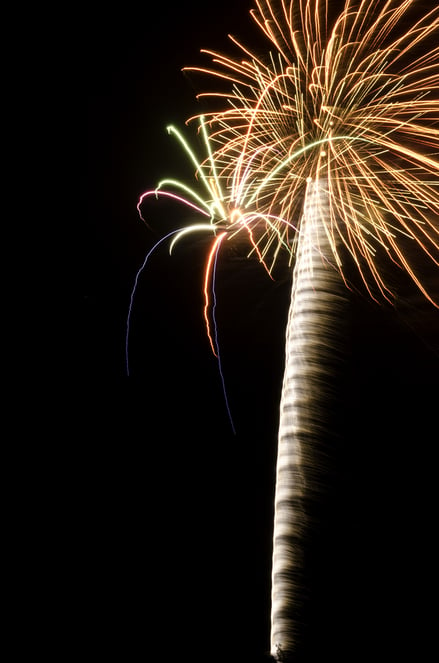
215,327
136,280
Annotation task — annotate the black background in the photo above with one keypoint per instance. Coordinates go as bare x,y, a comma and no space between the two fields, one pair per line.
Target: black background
169,513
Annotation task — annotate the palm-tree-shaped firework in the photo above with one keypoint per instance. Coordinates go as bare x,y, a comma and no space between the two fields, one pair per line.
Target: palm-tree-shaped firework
329,148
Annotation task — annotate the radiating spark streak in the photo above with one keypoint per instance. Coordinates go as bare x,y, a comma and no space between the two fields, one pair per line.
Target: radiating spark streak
217,345
172,130
133,292
207,278
196,227
186,189
218,191
168,194
283,164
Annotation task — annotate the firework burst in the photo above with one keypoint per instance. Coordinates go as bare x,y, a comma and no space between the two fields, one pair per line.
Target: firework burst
336,129
215,213
351,100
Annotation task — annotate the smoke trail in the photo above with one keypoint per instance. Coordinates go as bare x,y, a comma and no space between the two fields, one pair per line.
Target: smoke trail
313,344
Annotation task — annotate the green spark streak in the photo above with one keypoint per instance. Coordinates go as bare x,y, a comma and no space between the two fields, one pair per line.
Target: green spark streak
219,194
216,195
293,156
190,229
179,185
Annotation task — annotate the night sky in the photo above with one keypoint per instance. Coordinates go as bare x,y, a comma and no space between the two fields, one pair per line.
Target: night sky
172,512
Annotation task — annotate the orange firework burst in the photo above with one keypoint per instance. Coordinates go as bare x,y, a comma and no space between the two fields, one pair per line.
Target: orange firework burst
336,130
351,101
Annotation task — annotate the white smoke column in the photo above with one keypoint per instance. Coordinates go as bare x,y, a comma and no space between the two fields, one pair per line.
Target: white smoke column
313,345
